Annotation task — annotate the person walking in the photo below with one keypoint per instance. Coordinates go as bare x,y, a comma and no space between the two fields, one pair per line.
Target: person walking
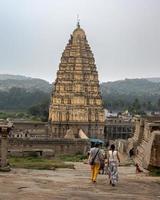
113,159
95,159
102,162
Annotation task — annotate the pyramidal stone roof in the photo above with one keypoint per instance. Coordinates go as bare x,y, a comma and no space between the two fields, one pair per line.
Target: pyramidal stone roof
76,94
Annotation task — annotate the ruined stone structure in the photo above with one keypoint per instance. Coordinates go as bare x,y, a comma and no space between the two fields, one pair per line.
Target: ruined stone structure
5,128
46,147
76,102
34,139
118,128
146,142
30,129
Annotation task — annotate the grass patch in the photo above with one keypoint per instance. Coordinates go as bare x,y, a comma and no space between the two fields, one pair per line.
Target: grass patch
72,158
154,171
38,163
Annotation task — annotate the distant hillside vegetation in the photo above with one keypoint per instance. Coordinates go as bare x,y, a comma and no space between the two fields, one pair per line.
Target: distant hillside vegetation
16,77
122,94
131,87
154,80
30,84
20,92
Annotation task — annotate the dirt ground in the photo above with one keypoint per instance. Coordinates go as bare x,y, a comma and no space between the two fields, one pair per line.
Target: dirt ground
69,184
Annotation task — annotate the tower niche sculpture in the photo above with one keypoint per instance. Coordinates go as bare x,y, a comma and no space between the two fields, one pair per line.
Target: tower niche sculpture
76,102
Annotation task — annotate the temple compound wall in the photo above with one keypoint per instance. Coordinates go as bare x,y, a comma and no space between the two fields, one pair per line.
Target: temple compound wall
146,142
34,138
46,147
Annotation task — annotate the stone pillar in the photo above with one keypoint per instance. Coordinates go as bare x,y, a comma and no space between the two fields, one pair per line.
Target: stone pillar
4,146
4,131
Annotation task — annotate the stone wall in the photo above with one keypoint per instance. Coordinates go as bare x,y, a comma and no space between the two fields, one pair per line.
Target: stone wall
46,147
34,138
155,152
30,129
146,142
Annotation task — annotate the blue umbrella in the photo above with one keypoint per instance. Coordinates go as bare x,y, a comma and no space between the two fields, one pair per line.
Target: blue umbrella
93,140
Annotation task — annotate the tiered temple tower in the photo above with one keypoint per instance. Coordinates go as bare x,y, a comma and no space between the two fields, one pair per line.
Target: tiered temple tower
76,102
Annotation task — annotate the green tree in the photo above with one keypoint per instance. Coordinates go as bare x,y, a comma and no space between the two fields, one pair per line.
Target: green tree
136,105
158,104
149,105
41,110
135,108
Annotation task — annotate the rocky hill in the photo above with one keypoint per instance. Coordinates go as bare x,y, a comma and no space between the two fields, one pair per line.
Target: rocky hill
22,92
132,87
29,84
125,94
154,80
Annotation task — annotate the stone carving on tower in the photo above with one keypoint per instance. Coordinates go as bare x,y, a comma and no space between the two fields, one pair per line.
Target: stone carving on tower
76,102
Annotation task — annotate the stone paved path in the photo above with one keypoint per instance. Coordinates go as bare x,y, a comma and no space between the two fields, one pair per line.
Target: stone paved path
66,184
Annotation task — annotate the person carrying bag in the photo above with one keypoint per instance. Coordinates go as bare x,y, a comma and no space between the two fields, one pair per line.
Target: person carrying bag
94,161
91,162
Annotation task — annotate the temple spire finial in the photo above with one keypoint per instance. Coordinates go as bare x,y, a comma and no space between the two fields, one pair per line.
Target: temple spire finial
78,22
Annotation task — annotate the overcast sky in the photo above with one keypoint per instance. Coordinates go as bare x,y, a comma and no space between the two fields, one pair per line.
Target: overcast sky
124,36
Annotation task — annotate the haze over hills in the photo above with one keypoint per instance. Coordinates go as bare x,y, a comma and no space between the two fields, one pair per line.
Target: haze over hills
127,86
30,84
132,87
153,79
8,81
15,77
123,94
22,92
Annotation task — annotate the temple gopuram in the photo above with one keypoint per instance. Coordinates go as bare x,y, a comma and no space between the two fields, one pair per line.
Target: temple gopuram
76,103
